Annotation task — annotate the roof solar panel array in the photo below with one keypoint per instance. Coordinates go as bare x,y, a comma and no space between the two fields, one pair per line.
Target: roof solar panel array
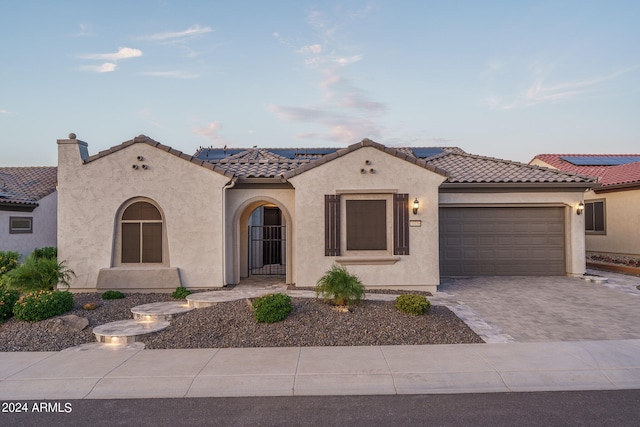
600,160
425,152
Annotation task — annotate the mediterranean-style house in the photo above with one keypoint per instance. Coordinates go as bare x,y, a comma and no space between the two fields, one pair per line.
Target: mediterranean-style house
142,216
612,209
28,208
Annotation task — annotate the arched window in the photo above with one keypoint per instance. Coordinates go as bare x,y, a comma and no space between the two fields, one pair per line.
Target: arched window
141,234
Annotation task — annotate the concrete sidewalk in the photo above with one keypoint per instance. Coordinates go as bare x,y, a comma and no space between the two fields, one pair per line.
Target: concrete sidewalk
94,372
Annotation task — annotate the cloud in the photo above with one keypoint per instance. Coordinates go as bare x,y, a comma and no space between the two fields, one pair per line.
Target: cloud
539,92
172,74
122,53
2,111
211,132
344,61
107,67
314,49
193,31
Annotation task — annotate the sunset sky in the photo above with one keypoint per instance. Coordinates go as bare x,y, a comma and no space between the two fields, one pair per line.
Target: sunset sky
506,79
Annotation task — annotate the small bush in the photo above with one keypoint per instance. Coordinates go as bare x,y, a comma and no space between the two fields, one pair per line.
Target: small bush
112,295
8,298
8,261
413,304
37,274
340,286
46,252
271,308
181,292
40,305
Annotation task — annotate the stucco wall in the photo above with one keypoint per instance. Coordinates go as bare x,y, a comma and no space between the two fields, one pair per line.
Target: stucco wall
420,269
90,196
44,228
574,224
622,214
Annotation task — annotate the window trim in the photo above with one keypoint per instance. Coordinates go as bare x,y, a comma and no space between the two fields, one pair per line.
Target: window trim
388,250
594,231
20,230
397,226
117,258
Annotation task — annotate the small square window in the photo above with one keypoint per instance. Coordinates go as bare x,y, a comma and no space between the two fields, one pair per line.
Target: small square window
20,224
594,217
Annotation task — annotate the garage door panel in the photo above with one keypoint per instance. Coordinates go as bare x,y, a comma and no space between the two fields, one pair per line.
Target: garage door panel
502,241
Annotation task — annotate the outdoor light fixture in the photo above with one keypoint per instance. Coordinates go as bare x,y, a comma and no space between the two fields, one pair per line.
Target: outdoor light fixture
580,208
416,205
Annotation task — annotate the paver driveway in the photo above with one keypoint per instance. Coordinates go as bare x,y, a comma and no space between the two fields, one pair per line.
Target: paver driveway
507,309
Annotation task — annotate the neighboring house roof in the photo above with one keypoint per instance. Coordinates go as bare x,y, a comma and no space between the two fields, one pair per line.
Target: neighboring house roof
613,171
24,186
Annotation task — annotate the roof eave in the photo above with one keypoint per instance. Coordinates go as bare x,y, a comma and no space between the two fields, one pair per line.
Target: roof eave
521,186
618,187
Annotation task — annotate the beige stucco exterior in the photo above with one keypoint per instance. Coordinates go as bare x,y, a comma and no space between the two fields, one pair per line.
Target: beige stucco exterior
622,216
44,227
419,270
206,214
91,196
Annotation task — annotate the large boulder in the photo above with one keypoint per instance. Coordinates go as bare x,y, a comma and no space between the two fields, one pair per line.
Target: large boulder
67,323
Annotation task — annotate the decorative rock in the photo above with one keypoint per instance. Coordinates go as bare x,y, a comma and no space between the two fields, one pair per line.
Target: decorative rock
68,323
72,135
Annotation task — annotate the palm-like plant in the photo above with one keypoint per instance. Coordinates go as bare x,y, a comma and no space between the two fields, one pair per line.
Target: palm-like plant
340,287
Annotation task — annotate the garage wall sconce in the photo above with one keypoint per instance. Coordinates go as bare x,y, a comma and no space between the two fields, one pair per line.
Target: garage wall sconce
580,209
416,205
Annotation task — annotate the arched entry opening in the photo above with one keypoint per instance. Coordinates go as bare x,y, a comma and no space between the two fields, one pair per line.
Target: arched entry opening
262,238
267,255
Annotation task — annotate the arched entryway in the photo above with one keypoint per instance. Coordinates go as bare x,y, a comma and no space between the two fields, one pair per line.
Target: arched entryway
262,236
267,255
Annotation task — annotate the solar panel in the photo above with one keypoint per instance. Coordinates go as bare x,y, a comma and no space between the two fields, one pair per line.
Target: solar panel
600,160
289,153
319,151
424,152
212,154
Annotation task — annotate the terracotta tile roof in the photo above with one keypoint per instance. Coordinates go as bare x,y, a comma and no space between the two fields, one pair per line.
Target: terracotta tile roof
607,175
143,139
284,163
27,185
468,168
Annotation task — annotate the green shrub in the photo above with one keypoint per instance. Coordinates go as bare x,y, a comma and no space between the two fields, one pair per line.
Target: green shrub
40,305
413,304
38,274
8,298
181,292
340,287
8,261
271,308
112,295
46,252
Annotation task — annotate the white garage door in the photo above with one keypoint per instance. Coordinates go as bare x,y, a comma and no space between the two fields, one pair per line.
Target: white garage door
502,241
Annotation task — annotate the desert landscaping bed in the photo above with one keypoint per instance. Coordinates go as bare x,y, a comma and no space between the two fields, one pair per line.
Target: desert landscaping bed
231,324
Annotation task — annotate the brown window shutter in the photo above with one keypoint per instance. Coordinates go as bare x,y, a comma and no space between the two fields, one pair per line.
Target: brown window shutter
401,224
331,225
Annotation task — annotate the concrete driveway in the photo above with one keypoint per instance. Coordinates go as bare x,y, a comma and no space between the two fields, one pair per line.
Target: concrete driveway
526,309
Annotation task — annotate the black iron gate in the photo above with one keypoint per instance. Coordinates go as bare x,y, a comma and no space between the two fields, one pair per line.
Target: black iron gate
267,250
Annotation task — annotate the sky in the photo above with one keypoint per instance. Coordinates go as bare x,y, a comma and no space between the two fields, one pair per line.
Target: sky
506,79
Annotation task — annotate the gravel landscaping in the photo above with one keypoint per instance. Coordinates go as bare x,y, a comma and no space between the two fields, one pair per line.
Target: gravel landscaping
310,323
